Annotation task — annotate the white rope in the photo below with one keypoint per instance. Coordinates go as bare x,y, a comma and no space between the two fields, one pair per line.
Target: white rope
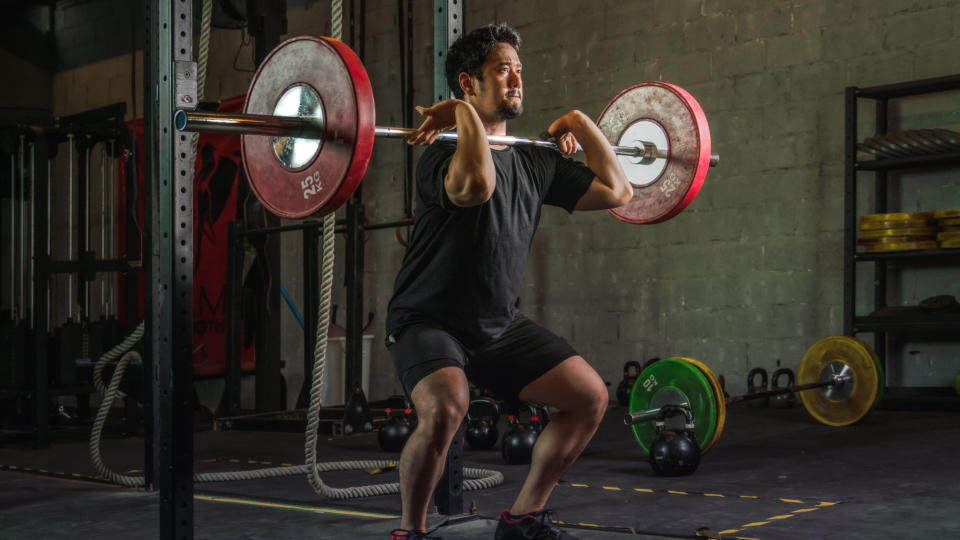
475,478
204,51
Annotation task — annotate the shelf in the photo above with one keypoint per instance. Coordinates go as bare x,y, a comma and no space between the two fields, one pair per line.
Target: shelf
908,162
910,88
909,319
945,255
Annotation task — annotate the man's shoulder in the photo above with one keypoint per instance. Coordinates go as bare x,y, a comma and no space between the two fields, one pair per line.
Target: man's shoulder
439,147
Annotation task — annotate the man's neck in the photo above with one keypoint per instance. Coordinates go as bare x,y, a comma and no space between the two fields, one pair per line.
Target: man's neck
498,127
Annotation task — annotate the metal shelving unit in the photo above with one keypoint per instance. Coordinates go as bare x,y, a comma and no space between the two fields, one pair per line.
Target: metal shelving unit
884,320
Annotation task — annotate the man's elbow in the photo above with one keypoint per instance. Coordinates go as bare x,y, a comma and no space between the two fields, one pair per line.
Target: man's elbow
474,193
623,196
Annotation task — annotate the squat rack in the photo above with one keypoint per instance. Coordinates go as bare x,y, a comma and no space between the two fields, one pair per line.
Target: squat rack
170,83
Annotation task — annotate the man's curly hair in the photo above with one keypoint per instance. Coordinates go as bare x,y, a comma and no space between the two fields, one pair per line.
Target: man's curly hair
469,52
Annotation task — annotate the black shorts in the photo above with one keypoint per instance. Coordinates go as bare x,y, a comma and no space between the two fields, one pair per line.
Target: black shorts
519,356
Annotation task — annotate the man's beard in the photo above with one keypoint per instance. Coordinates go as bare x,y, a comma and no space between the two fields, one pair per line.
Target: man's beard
509,110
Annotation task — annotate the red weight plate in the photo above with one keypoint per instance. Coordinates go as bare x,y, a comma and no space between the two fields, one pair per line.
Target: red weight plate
678,117
325,182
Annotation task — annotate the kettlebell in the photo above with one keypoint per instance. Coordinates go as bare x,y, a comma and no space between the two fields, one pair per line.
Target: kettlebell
753,388
394,433
539,418
517,445
674,452
482,417
631,370
782,401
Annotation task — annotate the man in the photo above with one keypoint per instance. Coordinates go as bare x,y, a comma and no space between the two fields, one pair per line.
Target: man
453,316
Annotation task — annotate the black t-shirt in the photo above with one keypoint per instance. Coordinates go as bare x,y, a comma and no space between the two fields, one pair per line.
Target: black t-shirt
464,266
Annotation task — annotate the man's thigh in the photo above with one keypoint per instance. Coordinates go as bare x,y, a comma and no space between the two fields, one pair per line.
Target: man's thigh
522,354
420,350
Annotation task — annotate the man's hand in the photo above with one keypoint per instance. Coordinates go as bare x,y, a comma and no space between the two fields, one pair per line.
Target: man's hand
610,188
439,118
564,138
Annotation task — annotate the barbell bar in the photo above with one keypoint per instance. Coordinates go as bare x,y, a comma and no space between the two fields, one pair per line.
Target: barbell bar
846,372
312,128
312,97
836,381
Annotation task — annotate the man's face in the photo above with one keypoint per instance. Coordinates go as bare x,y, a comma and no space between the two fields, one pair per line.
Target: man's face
500,93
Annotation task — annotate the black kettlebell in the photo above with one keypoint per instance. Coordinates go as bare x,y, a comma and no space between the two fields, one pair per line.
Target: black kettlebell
517,445
782,401
674,452
482,417
539,418
753,388
631,370
394,433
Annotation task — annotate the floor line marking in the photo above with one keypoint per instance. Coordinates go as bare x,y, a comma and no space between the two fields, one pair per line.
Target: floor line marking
704,494
302,508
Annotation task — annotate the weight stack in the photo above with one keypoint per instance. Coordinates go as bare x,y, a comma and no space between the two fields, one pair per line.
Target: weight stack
949,223
902,231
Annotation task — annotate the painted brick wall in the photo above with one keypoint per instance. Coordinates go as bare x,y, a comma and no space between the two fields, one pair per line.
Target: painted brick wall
750,274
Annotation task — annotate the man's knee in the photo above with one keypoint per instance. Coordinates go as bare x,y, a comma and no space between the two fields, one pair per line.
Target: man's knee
597,398
443,416
441,400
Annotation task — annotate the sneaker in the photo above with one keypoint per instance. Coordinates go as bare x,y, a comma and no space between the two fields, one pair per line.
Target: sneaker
535,526
403,534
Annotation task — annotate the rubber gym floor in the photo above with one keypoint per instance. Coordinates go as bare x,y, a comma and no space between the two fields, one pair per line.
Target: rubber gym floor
774,474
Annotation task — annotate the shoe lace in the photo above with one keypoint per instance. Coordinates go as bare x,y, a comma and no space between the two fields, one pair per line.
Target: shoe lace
548,528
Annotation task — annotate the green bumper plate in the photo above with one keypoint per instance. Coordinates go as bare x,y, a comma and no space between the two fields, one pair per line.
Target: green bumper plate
674,381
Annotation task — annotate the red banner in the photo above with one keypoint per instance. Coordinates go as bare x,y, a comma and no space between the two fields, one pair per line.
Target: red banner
217,175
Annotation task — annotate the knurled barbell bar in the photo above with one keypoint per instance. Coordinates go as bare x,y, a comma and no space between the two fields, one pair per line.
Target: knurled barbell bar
293,128
846,372
310,111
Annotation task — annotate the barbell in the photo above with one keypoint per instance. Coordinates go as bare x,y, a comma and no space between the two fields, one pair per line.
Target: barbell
308,126
840,379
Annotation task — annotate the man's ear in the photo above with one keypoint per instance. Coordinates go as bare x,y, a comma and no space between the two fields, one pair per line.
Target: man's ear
466,84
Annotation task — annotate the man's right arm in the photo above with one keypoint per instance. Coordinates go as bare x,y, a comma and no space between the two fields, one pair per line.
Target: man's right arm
471,178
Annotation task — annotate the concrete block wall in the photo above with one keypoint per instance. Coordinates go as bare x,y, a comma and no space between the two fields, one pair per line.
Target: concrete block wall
750,274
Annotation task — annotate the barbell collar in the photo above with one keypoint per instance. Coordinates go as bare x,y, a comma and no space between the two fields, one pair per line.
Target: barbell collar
313,128
645,416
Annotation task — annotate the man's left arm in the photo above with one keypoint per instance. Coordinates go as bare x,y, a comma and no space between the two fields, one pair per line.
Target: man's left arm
610,188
